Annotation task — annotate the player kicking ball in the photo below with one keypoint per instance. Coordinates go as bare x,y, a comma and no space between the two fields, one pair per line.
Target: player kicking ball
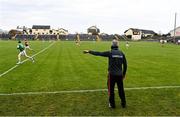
22,52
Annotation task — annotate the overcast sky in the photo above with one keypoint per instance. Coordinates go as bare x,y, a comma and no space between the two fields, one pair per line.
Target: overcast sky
111,16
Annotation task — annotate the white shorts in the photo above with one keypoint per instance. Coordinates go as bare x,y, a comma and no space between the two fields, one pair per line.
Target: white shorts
27,47
23,53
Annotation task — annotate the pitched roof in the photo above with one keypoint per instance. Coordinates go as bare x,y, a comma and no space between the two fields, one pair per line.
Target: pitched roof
63,29
148,31
93,27
142,30
40,27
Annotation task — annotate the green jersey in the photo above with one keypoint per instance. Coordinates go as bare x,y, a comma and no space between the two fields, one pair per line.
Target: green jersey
20,47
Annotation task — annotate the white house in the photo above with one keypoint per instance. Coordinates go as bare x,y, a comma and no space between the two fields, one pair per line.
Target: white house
46,30
93,30
40,29
177,32
60,31
137,34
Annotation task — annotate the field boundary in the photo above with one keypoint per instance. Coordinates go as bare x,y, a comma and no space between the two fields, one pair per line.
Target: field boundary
85,91
4,73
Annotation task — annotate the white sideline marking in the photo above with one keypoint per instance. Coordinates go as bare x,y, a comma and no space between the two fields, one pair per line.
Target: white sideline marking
85,91
25,60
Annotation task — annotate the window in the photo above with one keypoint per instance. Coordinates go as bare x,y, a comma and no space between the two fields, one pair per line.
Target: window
135,33
50,31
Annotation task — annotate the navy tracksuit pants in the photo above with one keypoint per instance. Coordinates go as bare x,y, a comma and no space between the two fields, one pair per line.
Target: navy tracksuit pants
112,80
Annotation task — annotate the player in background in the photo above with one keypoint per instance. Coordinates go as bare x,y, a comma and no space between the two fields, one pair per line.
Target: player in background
22,52
77,39
27,44
127,44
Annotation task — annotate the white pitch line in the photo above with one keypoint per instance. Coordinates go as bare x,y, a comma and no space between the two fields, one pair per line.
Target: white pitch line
25,60
158,87
85,91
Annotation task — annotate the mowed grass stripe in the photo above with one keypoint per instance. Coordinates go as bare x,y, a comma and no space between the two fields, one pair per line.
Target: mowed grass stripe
161,102
22,78
4,73
65,67
9,52
149,63
85,91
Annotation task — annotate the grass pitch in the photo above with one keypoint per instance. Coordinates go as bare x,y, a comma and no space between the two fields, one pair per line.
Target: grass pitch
63,67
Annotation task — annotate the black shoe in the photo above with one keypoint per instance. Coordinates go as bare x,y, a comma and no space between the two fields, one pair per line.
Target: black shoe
111,105
123,104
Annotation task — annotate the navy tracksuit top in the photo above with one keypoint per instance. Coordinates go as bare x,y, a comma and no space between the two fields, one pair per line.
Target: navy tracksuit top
117,59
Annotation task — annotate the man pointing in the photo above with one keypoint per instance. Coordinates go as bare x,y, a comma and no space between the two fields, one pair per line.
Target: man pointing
116,71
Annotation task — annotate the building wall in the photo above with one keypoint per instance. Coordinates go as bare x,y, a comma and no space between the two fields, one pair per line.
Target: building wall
60,32
129,32
137,35
134,37
41,31
146,35
47,32
177,32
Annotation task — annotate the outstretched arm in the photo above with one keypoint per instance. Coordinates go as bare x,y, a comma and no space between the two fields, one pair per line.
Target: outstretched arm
104,54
